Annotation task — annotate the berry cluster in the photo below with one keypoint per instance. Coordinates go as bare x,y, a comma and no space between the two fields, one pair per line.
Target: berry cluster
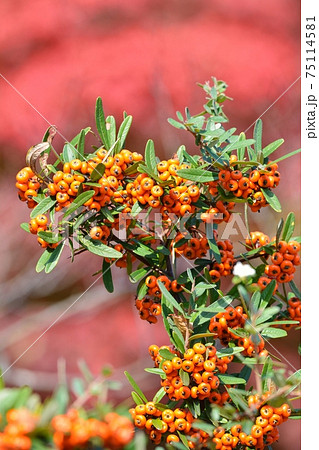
72,431
201,364
263,433
15,435
222,323
168,422
248,186
28,185
219,213
226,265
148,309
284,261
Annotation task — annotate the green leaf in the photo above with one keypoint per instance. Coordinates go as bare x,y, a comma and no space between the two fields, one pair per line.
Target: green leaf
271,199
137,399
159,395
270,148
155,371
61,395
273,333
43,207
158,424
69,152
267,314
289,227
295,152
183,439
79,201
279,230
197,174
258,135
229,351
237,144
100,123
76,139
267,294
43,260
166,354
212,242
136,209
137,275
81,145
150,157
123,132
169,298
184,377
110,125
229,379
266,373
176,124
294,289
53,259
48,236
238,398
241,150
178,340
135,386
100,249
25,227
107,276
98,172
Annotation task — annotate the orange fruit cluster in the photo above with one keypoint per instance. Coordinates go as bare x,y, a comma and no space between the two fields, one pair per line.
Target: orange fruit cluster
167,422
283,262
201,364
226,265
148,309
294,309
219,213
263,433
40,223
233,318
20,423
249,184
28,185
72,431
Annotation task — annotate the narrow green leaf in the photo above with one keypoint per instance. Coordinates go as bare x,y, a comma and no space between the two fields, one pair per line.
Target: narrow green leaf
100,123
289,227
266,373
98,172
123,132
271,199
48,236
107,276
135,386
166,354
169,298
137,399
197,174
138,274
295,152
273,333
229,379
110,125
53,258
258,135
150,157
229,351
279,230
43,207
100,249
79,201
159,395
237,144
176,124
25,227
81,145
270,148
69,152
294,289
43,260
268,313
155,371
184,377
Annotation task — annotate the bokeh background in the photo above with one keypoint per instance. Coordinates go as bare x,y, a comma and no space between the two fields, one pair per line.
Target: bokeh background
144,57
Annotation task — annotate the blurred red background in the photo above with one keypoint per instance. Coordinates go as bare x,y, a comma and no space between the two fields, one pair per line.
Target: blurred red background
145,58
